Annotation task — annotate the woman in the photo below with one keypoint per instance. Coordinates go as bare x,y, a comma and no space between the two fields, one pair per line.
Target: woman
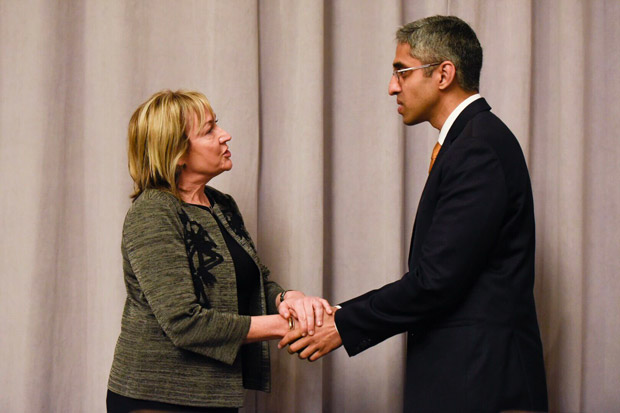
195,318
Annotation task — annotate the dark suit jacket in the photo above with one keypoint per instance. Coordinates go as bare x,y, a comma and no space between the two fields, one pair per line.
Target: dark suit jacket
467,300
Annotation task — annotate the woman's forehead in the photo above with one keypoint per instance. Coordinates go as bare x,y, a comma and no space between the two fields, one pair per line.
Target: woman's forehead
196,120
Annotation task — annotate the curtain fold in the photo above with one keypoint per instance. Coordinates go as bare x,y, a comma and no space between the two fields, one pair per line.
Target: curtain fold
291,202
327,177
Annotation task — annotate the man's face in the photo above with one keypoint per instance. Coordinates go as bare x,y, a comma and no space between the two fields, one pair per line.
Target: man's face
416,95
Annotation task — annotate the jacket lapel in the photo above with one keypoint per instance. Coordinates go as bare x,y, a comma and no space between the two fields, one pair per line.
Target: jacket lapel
477,106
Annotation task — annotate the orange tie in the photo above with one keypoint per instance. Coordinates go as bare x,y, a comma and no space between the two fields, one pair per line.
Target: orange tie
436,149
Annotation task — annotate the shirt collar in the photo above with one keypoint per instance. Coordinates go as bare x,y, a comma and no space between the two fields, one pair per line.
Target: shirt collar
455,114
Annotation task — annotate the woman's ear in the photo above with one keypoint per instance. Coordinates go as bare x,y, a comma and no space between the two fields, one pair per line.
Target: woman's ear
182,160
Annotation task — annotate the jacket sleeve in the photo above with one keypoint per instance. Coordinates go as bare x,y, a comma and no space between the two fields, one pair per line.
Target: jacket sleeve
465,224
154,246
272,289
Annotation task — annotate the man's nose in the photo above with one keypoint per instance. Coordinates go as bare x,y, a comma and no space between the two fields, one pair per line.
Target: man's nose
394,86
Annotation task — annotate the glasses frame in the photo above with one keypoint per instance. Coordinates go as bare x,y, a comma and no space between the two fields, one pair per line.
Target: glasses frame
398,72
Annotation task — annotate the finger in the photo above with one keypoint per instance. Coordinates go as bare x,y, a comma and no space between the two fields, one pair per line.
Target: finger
307,352
318,313
298,345
310,315
315,356
327,306
284,310
301,317
290,337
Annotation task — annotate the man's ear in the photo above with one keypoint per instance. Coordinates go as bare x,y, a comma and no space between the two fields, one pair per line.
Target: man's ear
447,73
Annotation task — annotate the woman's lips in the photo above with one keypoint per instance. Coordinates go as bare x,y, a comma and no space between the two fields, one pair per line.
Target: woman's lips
227,153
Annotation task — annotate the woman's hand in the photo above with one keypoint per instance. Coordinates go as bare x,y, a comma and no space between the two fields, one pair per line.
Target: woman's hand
307,311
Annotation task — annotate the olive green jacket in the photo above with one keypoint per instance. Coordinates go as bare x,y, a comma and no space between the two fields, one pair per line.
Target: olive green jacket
181,333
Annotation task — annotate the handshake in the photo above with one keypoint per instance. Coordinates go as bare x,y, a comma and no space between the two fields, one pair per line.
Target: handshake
312,329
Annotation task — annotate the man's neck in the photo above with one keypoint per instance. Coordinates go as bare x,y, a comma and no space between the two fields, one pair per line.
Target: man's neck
446,106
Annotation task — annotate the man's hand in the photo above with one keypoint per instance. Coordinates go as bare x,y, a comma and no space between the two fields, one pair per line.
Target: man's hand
325,340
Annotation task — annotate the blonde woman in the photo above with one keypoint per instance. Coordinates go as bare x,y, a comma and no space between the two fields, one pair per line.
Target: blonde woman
196,316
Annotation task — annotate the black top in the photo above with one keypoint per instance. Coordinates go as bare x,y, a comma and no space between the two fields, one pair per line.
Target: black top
246,270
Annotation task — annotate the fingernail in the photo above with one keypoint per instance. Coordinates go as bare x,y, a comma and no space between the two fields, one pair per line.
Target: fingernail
311,332
320,324
303,334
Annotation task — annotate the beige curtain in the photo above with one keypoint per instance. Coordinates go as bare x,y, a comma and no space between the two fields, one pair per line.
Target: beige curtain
325,173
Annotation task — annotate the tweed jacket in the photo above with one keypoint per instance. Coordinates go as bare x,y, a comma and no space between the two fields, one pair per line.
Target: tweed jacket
181,333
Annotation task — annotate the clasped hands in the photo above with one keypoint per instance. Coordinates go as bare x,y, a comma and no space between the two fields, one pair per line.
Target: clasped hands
314,332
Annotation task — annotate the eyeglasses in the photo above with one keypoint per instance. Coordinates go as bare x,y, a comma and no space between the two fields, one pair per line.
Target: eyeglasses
398,72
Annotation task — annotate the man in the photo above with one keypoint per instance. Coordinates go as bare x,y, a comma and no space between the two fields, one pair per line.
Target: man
467,300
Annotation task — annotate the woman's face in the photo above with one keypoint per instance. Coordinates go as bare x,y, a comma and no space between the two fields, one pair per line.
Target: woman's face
208,154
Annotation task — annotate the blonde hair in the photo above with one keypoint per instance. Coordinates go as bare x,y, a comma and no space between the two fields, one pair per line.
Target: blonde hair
158,138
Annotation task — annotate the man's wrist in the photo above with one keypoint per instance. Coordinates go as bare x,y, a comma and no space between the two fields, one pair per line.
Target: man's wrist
336,308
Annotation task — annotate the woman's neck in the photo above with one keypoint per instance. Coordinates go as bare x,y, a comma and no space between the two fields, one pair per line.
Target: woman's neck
193,191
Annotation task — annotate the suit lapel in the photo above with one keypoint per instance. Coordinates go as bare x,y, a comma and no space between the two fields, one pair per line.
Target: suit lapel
477,106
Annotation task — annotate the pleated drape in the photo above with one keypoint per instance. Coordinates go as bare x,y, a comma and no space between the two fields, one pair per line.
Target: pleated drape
326,175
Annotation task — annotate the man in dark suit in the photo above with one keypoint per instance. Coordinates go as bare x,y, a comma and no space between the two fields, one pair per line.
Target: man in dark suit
467,301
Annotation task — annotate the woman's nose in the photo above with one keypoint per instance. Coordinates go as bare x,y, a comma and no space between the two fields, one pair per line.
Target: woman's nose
225,136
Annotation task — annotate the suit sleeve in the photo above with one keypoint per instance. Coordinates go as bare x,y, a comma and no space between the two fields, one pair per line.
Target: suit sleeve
153,241
471,200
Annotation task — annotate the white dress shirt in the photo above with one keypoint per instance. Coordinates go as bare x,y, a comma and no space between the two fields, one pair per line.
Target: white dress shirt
455,114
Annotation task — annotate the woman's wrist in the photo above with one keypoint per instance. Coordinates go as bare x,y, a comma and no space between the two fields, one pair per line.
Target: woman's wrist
266,327
282,296
282,325
287,295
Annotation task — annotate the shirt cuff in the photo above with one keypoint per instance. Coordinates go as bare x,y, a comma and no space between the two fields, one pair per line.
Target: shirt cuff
335,326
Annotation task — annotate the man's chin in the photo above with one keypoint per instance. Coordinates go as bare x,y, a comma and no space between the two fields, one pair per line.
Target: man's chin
411,122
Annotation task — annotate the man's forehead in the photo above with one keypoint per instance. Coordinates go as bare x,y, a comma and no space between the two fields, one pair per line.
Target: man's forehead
403,57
